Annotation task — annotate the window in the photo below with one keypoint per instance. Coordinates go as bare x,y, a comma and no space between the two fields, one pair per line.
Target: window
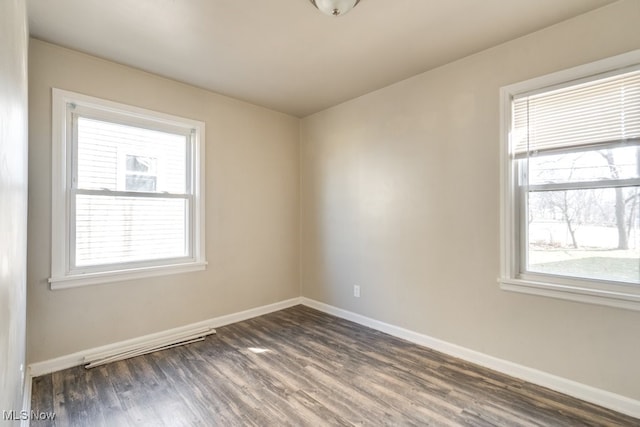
571,184
127,192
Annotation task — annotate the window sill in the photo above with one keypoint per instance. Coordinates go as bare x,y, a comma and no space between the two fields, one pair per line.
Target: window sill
620,298
74,281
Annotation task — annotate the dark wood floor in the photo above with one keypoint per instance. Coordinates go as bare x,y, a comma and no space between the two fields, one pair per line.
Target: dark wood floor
301,367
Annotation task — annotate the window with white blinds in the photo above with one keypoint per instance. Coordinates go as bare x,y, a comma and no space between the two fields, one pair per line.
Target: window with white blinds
571,184
131,184
598,111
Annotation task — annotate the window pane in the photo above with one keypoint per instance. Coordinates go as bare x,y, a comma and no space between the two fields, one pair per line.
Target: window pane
615,163
128,229
141,164
585,233
141,183
107,151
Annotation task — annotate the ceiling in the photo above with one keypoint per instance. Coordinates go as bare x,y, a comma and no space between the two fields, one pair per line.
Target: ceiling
285,54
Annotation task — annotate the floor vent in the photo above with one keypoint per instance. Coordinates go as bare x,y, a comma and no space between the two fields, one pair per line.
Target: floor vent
98,359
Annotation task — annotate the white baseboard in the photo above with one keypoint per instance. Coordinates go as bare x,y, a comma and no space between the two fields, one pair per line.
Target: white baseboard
581,391
75,359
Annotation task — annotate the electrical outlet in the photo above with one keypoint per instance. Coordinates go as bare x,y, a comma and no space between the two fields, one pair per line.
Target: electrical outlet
356,291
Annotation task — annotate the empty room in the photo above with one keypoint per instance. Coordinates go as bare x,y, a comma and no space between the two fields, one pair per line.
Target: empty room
320,212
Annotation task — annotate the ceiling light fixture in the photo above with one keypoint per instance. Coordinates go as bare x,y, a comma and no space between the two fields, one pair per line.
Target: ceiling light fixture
335,7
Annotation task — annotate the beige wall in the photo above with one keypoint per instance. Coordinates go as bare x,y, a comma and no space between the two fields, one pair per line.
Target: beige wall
251,211
400,195
13,201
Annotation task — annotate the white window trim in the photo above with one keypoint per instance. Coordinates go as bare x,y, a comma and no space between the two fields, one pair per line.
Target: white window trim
61,276
581,290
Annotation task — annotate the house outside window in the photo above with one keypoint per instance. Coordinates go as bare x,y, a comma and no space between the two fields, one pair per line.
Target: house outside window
571,184
141,173
127,192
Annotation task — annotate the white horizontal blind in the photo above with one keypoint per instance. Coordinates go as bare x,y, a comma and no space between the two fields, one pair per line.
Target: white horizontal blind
131,194
595,112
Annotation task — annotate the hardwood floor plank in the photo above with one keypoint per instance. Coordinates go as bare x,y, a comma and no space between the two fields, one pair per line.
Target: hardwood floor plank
301,367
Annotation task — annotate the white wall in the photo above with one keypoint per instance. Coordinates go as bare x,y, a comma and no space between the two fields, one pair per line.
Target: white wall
13,200
400,195
251,167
